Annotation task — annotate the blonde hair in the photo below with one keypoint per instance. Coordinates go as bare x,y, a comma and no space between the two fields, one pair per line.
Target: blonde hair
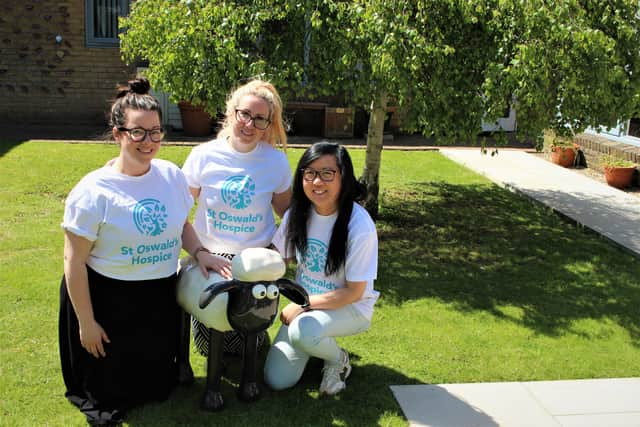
275,134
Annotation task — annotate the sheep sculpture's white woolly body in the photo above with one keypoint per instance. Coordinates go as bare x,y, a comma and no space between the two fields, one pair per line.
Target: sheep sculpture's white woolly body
250,265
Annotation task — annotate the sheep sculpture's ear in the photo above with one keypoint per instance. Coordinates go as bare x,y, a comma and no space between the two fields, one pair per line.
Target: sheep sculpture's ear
215,289
293,291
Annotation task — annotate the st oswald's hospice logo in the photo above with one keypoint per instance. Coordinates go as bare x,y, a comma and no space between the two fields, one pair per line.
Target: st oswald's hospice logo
316,256
237,191
150,215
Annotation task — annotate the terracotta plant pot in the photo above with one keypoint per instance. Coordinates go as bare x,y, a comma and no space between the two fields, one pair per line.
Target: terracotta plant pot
195,121
563,156
619,177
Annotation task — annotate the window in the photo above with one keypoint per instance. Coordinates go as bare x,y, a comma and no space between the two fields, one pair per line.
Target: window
101,21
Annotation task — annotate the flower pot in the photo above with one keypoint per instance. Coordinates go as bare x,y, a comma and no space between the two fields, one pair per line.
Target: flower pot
563,156
195,121
619,177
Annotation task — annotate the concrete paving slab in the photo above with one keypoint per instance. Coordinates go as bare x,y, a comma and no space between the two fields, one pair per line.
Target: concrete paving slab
477,405
571,403
604,209
596,396
600,420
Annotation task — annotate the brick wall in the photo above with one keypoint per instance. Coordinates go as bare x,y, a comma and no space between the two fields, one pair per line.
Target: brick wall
594,146
44,82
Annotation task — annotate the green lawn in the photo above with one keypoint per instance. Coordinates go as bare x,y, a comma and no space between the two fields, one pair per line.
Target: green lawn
477,283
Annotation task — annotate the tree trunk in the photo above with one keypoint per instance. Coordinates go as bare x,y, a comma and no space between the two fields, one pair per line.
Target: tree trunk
371,173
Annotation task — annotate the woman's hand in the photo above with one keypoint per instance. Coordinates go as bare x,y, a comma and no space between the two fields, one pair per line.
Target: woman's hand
217,263
206,260
91,337
290,312
76,253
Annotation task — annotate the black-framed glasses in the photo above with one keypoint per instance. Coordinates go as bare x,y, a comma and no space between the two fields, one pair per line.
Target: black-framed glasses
326,175
140,134
245,117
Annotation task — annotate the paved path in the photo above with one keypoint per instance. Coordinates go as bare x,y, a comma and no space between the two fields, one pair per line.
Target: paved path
576,403
604,209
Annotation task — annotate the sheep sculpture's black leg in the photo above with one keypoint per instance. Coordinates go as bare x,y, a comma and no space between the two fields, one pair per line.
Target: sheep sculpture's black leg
249,390
185,373
212,398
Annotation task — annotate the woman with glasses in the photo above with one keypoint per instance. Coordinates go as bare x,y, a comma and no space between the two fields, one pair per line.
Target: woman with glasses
124,226
238,180
334,242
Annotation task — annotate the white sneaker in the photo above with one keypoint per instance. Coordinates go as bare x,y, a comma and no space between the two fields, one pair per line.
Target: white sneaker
335,376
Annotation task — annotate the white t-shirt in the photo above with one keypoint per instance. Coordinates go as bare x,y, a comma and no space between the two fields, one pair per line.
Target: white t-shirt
361,262
134,222
234,208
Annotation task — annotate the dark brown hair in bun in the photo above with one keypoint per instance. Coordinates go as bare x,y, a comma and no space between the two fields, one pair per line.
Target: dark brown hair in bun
135,95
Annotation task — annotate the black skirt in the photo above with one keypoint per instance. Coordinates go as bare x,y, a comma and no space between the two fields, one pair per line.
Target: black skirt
141,320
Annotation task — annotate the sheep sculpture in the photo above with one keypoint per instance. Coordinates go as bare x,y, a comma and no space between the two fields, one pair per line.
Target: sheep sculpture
248,303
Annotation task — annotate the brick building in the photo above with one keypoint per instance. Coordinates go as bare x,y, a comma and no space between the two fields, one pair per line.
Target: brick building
59,60
60,63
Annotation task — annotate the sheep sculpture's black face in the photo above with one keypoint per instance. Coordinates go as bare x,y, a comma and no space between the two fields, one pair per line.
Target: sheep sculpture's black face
253,306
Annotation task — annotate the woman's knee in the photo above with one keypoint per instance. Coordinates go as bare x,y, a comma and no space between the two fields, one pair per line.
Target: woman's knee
281,370
306,333
277,381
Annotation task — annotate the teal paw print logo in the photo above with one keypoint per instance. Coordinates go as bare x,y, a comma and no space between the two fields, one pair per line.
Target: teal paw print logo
315,257
237,191
149,216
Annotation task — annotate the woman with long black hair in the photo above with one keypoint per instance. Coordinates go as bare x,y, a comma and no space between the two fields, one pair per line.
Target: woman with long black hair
335,245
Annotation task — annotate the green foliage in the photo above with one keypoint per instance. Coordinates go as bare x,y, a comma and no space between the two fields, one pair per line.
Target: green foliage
198,50
568,64
608,161
565,65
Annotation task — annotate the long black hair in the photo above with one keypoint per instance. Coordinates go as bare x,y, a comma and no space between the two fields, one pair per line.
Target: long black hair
300,209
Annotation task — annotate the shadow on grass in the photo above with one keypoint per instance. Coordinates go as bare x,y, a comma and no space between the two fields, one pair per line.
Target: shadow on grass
481,247
366,400
13,135
6,146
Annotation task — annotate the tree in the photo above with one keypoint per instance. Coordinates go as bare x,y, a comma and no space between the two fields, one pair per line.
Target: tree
447,64
565,65
197,50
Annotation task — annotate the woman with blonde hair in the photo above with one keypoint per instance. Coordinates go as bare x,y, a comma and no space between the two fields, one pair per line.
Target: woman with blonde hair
275,134
238,180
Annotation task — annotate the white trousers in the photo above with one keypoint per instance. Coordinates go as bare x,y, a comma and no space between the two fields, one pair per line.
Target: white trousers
311,334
